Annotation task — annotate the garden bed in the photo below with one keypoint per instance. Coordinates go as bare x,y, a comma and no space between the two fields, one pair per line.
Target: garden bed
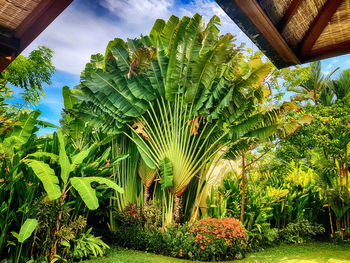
310,253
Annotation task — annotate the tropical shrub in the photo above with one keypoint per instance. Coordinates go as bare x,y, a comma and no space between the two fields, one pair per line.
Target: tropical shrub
263,237
137,230
139,238
300,232
87,245
20,191
208,239
152,215
273,200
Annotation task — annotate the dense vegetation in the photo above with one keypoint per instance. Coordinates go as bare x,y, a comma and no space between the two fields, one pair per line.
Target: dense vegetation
178,142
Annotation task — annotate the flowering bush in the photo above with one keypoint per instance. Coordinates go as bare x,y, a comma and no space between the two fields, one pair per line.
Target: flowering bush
207,240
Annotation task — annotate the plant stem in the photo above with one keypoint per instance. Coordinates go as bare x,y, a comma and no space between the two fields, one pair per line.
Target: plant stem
243,187
19,253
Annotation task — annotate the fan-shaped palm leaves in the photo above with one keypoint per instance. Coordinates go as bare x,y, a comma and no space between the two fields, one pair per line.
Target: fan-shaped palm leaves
315,88
181,90
341,86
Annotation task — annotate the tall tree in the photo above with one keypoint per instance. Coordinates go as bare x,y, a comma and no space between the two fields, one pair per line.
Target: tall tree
29,74
182,93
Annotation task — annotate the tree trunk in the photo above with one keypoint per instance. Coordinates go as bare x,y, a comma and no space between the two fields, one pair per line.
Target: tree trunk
53,249
177,208
243,188
145,196
329,214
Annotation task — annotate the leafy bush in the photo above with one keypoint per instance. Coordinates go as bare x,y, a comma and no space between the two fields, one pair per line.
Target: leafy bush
132,215
264,237
152,214
139,238
207,239
87,245
300,232
138,230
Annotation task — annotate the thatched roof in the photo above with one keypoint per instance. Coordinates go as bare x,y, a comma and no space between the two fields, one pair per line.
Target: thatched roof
21,21
290,32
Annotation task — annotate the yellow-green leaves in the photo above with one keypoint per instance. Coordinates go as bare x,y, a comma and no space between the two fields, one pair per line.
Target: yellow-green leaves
47,177
166,173
21,131
27,229
87,193
63,158
80,157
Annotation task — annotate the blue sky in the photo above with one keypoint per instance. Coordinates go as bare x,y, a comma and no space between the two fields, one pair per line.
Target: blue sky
86,26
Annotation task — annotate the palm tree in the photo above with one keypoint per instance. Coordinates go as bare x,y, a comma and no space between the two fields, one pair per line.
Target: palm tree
315,85
341,85
180,94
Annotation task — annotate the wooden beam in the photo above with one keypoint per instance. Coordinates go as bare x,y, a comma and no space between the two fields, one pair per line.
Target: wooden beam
5,61
9,43
292,8
317,26
38,20
328,51
258,17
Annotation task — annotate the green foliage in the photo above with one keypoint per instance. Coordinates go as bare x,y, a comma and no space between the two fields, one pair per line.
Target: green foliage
272,201
300,232
46,176
29,74
87,193
27,229
139,230
139,238
166,173
87,245
217,204
315,87
81,184
21,132
181,94
152,215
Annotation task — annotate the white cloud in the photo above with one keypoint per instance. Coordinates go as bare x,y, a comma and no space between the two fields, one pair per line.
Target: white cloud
138,12
43,119
77,33
74,36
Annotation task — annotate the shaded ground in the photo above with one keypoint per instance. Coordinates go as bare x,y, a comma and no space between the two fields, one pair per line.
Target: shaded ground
305,253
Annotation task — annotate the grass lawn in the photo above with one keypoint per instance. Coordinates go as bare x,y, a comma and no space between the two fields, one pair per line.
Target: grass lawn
305,253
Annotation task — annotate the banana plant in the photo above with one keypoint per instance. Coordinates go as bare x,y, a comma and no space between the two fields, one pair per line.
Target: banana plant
20,193
82,185
56,190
